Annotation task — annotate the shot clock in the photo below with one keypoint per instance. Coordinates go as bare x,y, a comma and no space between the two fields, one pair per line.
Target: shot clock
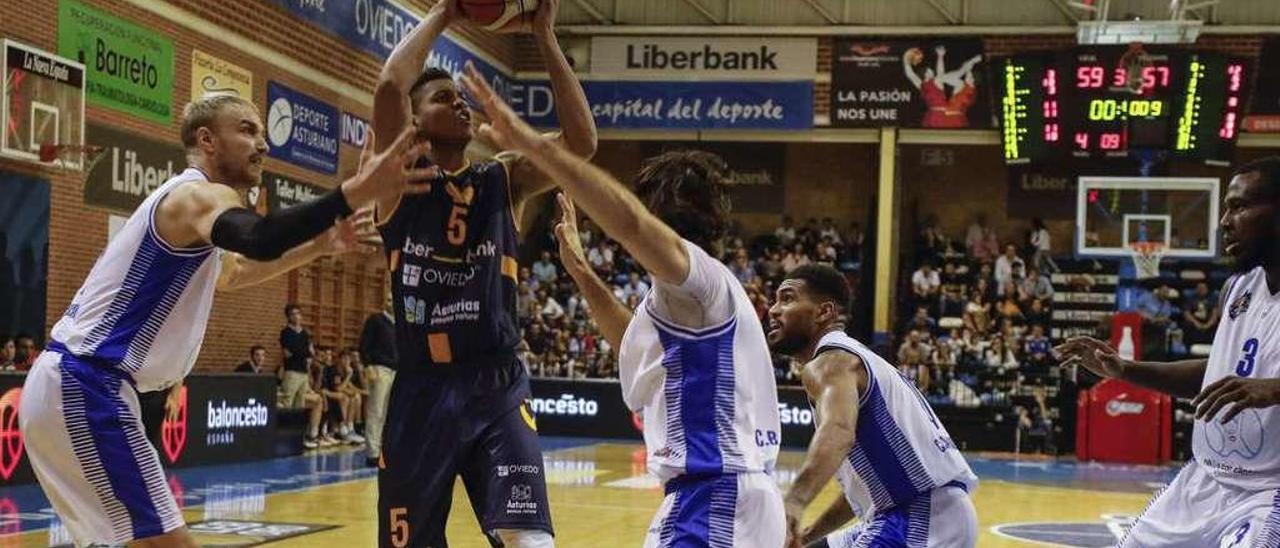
1086,104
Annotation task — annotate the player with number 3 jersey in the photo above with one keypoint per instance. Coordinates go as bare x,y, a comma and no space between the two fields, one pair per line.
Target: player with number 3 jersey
1229,494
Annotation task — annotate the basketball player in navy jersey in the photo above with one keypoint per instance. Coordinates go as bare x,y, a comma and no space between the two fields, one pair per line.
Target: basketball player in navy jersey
1228,496
457,405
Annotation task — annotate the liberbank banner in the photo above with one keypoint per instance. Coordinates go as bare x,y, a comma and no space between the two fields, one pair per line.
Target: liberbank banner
704,58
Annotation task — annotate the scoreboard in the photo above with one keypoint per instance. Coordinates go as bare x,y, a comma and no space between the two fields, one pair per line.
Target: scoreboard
1083,104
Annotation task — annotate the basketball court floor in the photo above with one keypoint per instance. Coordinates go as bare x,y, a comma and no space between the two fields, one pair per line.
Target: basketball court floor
600,497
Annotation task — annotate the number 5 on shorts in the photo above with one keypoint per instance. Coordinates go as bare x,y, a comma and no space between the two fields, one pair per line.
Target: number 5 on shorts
399,527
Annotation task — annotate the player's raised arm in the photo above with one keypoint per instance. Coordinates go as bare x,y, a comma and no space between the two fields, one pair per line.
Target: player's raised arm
211,213
391,109
610,315
615,208
832,380
1181,378
577,126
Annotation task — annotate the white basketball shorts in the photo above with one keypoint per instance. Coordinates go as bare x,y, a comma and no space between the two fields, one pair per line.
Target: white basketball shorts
87,445
943,519
1197,511
719,511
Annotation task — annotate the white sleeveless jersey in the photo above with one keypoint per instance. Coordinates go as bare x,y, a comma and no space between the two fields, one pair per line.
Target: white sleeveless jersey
1243,453
708,395
144,307
900,449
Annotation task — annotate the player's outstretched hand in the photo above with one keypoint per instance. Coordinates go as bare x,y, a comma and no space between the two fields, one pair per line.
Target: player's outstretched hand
504,127
544,19
1240,393
571,253
1096,356
350,235
391,172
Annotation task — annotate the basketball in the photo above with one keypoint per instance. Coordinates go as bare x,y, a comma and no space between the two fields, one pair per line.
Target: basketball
499,15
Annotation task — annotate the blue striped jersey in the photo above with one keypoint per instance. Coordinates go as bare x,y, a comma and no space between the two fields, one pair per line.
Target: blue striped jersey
900,450
706,392
144,307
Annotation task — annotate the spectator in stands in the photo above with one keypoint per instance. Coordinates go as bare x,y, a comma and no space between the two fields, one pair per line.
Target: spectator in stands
741,267
795,258
257,359
925,284
914,351
977,313
981,240
786,233
1200,316
1042,246
601,257
771,267
339,403
8,353
829,231
548,307
952,295
1038,348
826,252
27,352
853,241
977,229
1037,314
544,269
1005,265
1155,308
999,355
1036,286
354,383
634,286
922,322
378,346
296,346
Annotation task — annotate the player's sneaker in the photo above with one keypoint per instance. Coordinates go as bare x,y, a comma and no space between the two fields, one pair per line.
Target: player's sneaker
310,442
353,438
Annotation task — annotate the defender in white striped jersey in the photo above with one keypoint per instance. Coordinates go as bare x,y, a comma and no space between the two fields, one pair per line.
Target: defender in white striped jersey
875,433
1228,496
693,357
137,323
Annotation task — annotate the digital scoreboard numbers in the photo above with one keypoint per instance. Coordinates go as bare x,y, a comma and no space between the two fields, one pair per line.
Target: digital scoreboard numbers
1084,104
1211,106
1111,110
1024,118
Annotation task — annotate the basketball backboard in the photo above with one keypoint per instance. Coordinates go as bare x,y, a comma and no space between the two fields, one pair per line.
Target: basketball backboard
43,102
1179,212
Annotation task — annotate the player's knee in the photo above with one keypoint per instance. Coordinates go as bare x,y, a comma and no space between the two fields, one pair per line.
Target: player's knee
526,538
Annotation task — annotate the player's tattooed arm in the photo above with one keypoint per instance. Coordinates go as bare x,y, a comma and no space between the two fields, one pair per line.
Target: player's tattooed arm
611,204
610,315
833,381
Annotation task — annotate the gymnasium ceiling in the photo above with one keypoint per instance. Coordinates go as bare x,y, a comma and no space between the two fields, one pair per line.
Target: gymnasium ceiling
951,16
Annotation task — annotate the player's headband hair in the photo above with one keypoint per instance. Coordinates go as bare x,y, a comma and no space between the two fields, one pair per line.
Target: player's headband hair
203,111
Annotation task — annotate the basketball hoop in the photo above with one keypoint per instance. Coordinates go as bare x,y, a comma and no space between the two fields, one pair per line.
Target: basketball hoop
75,157
1146,259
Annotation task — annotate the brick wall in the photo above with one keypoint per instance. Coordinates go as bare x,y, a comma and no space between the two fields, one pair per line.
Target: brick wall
78,233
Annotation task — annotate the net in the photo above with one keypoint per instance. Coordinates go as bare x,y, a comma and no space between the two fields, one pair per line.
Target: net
75,157
1146,259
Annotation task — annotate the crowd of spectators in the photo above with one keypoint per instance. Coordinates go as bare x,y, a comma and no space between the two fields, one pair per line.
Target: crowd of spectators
17,353
977,328
559,338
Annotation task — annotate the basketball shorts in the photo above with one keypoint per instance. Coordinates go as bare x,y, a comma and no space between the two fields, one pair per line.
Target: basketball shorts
1196,510
944,519
719,511
86,442
440,428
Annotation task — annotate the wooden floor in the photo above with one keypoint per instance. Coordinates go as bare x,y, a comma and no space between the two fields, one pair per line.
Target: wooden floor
600,496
